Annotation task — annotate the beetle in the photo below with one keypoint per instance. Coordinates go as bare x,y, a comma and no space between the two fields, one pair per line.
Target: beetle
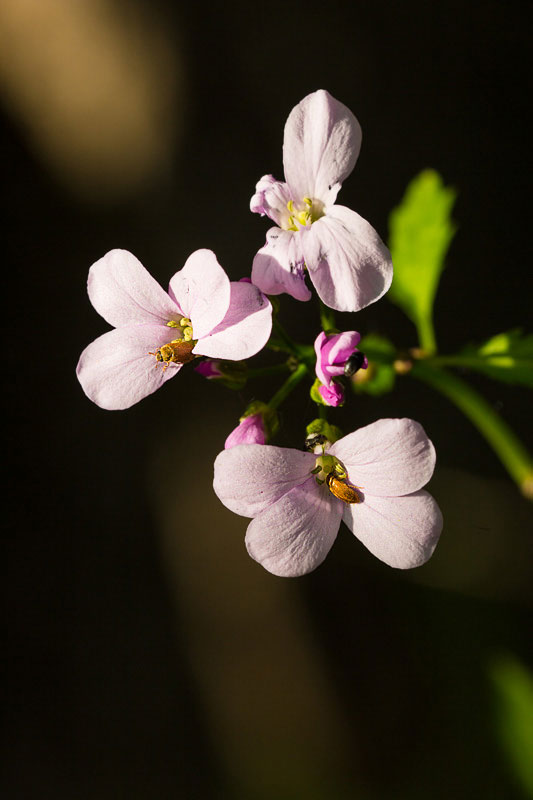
341,489
178,351
354,363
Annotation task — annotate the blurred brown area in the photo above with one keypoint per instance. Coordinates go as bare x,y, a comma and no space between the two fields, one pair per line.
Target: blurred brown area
148,656
95,87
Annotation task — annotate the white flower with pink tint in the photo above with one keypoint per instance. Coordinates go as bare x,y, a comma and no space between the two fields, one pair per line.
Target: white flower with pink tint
347,262
371,479
157,333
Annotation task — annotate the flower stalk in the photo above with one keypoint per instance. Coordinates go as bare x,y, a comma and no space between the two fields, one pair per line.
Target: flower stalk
493,428
290,384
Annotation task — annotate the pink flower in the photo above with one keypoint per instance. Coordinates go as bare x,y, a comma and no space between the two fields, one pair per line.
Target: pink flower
250,430
156,333
332,353
332,395
347,262
256,426
371,479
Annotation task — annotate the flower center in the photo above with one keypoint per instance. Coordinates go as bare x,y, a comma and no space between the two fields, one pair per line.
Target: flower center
331,471
178,351
303,214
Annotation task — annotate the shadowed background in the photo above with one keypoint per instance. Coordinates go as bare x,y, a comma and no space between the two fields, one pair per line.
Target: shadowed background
149,657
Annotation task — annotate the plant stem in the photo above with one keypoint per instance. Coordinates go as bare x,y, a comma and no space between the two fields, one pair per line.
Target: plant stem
327,318
502,361
502,439
292,381
275,369
284,339
426,335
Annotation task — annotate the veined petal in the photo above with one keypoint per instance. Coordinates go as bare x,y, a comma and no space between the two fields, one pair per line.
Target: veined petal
401,531
250,477
295,534
202,291
271,198
390,457
244,330
124,293
116,370
320,147
347,261
279,266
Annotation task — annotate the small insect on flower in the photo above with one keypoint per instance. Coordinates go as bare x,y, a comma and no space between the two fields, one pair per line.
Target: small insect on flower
178,350
354,363
315,440
341,490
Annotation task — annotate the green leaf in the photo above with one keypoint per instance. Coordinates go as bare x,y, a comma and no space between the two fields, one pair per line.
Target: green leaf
513,685
380,376
506,357
420,232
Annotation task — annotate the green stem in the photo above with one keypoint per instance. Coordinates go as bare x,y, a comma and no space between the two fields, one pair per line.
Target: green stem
284,339
502,439
327,318
502,361
426,335
275,369
292,381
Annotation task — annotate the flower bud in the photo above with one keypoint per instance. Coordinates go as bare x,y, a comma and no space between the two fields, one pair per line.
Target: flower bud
232,374
258,423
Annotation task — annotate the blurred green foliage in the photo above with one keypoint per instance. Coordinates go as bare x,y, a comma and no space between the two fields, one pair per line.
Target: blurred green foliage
380,376
513,685
420,232
507,357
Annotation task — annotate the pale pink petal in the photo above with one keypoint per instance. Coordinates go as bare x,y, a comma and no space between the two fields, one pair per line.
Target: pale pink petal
116,370
401,531
271,198
279,266
320,147
347,261
250,477
124,293
388,457
244,330
251,430
202,291
295,534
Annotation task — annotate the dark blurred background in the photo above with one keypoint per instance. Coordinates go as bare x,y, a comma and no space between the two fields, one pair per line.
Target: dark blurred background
148,656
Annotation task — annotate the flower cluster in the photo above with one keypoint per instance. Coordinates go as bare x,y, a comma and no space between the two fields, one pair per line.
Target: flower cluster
371,479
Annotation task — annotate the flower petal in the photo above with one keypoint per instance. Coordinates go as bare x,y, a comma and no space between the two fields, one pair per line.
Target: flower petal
244,330
390,457
401,531
250,430
279,266
293,536
320,147
250,477
347,261
332,352
202,290
116,370
271,198
124,293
